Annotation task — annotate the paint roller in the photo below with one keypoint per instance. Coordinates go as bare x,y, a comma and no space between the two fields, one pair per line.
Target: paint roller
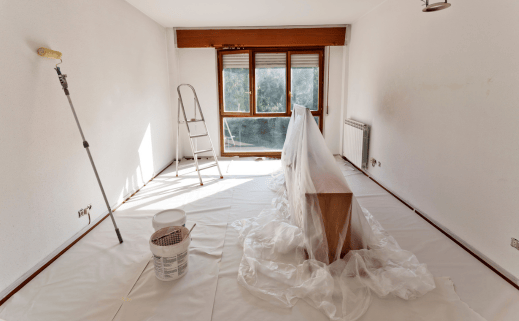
47,53
52,54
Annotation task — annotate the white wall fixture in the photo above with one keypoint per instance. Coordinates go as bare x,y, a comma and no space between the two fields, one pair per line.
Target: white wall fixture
356,143
84,211
435,6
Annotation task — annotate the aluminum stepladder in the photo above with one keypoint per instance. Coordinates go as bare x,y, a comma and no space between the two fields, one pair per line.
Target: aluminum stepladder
191,137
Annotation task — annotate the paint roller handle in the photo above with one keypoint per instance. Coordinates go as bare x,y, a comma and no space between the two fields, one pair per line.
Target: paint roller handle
119,235
63,81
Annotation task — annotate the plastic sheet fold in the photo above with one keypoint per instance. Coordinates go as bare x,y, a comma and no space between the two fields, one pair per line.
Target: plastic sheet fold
285,250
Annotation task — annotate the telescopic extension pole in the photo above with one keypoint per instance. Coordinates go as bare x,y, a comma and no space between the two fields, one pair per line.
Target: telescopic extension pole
63,81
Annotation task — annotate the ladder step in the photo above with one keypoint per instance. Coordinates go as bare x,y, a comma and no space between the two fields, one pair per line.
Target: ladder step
195,136
194,120
203,151
202,168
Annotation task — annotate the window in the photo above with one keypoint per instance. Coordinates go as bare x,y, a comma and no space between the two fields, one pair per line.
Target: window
258,89
305,80
236,83
270,79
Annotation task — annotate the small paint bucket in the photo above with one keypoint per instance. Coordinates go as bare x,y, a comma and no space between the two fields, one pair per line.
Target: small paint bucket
170,248
171,217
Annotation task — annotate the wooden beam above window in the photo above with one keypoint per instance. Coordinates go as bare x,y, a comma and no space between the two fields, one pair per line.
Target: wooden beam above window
240,38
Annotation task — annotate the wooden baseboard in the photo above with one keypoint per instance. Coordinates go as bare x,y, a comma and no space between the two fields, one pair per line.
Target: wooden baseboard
27,279
451,236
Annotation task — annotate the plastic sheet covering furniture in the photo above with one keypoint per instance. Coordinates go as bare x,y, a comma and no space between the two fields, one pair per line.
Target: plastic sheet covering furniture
274,265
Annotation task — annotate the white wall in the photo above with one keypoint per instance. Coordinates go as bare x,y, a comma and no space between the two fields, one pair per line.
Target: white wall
345,84
174,81
116,62
198,67
441,93
332,120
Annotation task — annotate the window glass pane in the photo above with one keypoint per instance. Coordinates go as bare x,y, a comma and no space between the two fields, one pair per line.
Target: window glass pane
270,72
305,80
251,134
236,90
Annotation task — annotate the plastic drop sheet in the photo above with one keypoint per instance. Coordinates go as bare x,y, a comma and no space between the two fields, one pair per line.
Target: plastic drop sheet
97,279
285,252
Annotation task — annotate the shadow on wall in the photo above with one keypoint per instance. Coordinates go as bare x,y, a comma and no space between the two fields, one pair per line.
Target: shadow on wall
144,170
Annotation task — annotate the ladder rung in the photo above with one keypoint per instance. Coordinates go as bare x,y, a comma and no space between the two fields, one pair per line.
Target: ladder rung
203,151
194,120
195,136
212,165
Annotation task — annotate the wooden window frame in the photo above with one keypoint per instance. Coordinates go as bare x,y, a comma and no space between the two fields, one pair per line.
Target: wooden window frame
252,103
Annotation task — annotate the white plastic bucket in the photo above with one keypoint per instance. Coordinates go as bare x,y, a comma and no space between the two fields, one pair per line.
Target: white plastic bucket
170,261
171,217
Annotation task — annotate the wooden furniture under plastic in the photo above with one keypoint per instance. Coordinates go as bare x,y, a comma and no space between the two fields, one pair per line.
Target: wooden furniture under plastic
336,212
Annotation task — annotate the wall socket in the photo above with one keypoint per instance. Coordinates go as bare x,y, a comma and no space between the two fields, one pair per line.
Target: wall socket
515,243
84,211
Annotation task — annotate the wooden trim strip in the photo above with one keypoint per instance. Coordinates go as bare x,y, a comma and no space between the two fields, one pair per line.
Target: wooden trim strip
32,276
439,229
239,38
253,154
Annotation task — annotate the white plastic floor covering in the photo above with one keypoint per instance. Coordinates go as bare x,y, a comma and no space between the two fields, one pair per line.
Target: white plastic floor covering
98,279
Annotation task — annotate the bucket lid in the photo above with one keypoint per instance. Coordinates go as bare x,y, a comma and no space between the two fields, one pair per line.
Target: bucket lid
172,216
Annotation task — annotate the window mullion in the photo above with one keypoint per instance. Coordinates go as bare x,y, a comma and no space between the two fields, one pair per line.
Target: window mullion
289,84
253,89
252,84
321,83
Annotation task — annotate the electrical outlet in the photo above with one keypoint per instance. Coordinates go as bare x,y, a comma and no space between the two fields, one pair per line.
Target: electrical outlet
84,211
515,243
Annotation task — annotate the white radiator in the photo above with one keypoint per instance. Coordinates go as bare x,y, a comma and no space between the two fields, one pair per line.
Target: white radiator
355,143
